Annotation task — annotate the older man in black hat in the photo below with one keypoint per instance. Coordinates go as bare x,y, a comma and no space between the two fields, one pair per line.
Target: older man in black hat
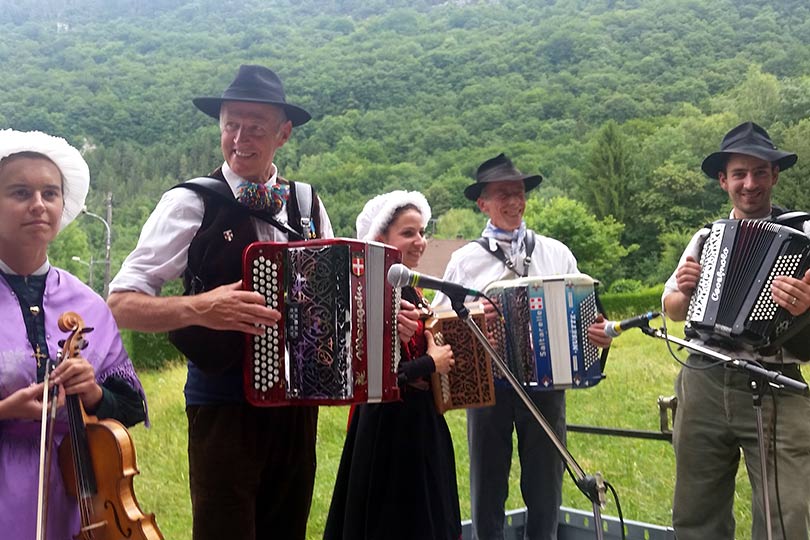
508,250
715,415
251,470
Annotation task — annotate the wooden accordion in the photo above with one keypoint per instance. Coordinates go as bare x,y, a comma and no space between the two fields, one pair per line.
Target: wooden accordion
732,303
544,335
469,384
336,342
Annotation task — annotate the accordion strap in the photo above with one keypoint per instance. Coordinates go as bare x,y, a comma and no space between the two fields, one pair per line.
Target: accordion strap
498,253
793,219
222,192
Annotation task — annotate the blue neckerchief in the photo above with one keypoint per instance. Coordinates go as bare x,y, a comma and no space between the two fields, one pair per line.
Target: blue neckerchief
515,238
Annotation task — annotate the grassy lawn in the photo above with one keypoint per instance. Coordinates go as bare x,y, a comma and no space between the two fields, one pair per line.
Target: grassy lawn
639,370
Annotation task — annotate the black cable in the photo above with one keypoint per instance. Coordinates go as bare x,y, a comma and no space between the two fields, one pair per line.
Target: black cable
675,356
618,507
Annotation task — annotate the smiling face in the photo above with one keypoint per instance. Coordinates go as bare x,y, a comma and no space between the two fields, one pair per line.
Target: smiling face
504,203
250,135
31,204
749,181
407,234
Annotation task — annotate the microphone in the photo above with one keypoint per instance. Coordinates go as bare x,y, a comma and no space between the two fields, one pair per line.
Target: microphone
400,275
613,328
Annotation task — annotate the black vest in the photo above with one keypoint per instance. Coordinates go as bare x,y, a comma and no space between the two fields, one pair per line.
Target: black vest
215,259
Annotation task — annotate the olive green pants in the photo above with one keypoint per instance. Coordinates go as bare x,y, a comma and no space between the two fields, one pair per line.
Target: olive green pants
714,421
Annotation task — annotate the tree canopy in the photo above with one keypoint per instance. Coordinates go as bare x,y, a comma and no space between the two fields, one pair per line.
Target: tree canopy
615,102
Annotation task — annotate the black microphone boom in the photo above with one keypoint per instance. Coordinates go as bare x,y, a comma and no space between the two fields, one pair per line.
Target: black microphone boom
400,275
613,328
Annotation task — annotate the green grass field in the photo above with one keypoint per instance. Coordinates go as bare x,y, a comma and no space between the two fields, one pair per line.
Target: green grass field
639,370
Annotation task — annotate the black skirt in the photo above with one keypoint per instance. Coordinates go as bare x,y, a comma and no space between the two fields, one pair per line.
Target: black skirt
397,475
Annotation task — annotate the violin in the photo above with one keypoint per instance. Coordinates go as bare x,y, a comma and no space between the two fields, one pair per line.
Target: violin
97,460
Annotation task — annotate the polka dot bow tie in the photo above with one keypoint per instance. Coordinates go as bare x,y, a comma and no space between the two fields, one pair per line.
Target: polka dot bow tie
260,197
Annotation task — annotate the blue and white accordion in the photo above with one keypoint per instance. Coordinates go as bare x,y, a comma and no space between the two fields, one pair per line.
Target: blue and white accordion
544,335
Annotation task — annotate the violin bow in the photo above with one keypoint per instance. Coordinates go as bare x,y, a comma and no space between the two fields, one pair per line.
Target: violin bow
49,407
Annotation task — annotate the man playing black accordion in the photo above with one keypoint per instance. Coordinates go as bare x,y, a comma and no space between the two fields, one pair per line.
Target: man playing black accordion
715,417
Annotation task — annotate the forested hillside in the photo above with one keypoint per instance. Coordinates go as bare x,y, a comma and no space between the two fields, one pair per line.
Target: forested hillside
614,102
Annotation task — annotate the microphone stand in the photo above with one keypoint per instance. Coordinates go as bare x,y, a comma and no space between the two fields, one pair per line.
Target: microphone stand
757,375
592,486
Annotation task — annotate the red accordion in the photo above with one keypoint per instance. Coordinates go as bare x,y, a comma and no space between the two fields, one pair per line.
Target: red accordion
336,342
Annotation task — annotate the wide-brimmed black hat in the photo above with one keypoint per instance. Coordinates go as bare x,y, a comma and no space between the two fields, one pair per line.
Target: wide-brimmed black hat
254,84
751,140
499,169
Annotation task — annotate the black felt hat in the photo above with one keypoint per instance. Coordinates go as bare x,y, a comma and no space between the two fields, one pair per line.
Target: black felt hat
751,140
254,84
499,169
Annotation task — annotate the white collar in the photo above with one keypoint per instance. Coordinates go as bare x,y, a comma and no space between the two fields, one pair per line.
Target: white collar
38,272
731,215
234,179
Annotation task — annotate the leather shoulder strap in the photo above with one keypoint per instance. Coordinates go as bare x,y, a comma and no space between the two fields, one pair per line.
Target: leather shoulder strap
498,253
220,190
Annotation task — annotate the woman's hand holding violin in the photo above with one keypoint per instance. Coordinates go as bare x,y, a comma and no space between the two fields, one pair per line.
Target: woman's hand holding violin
77,376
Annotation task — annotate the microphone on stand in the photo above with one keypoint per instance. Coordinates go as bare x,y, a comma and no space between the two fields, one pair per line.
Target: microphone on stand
400,275
613,328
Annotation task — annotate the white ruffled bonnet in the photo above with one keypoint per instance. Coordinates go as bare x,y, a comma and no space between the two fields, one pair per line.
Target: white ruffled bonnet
70,162
377,212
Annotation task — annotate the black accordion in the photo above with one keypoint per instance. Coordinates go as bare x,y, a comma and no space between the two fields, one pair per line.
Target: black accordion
732,303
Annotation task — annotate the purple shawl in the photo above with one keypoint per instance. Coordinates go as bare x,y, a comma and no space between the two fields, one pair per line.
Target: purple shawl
19,439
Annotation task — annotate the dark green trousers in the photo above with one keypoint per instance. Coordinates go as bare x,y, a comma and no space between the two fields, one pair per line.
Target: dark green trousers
715,420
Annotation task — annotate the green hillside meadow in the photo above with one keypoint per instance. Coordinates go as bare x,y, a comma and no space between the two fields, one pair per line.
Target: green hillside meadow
639,370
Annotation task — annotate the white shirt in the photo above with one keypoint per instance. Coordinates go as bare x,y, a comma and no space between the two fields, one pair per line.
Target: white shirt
473,267
694,249
162,251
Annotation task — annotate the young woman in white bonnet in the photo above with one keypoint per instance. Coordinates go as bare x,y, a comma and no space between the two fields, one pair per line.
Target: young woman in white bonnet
397,475
43,185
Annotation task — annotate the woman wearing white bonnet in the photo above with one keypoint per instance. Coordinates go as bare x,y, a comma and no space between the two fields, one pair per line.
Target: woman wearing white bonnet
397,476
43,185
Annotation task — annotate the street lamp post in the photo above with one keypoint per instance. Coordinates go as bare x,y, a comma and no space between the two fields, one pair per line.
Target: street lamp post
89,266
107,242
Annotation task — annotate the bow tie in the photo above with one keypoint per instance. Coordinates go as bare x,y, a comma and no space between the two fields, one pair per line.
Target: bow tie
260,197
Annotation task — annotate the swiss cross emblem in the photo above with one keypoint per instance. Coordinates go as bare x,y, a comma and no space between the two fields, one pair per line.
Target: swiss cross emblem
535,303
358,266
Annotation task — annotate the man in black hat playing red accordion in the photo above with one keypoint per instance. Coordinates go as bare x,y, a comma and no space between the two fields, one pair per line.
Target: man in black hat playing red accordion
507,250
251,469
715,417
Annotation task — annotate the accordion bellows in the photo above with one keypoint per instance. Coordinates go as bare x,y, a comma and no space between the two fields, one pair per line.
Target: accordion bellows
732,303
336,342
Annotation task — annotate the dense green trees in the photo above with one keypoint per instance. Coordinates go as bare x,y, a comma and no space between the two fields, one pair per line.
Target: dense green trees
615,102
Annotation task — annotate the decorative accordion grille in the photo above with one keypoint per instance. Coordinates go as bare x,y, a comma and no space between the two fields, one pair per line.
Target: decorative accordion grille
518,343
708,261
498,331
469,383
319,326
